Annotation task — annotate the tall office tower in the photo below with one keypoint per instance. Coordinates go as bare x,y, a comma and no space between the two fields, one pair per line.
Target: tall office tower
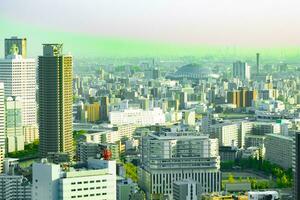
167,157
186,190
241,70
15,42
104,103
257,63
55,100
19,77
296,166
14,128
2,127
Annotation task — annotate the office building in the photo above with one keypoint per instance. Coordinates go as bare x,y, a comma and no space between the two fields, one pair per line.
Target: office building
15,43
55,100
13,129
2,127
279,150
186,190
296,165
241,70
167,157
104,103
96,181
19,76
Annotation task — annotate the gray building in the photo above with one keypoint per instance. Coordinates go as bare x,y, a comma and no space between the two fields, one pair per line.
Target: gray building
167,157
14,187
186,190
279,150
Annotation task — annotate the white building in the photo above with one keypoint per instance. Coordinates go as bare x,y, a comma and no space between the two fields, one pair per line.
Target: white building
14,128
2,127
241,70
19,77
97,182
137,116
227,133
167,157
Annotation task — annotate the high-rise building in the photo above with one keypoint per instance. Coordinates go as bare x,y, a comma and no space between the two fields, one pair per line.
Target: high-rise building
15,43
55,100
19,77
241,70
104,103
13,129
242,97
257,63
296,166
167,157
2,127
14,187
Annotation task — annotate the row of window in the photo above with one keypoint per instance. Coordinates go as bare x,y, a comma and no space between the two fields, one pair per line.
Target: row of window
86,195
91,188
85,182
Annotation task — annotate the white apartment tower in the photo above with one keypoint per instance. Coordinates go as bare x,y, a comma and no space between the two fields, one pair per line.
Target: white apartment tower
19,77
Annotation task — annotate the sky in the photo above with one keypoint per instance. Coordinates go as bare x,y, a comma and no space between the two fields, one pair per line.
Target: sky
242,23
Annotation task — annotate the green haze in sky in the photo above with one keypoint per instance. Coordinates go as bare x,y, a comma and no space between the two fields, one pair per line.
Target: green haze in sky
83,45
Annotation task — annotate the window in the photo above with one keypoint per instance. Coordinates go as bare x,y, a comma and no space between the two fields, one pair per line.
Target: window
79,189
85,188
104,193
79,182
73,190
73,183
73,197
85,182
92,181
104,180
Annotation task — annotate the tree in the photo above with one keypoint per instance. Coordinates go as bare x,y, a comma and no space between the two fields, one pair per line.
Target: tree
231,178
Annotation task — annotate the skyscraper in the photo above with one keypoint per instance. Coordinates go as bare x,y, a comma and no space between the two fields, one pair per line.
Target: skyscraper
2,127
257,63
15,42
55,100
19,77
104,109
296,166
241,70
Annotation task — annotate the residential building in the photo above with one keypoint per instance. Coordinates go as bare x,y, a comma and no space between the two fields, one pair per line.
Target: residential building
279,150
296,165
104,103
14,187
19,76
227,133
55,100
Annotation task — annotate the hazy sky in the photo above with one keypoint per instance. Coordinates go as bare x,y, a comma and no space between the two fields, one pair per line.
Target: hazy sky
222,22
